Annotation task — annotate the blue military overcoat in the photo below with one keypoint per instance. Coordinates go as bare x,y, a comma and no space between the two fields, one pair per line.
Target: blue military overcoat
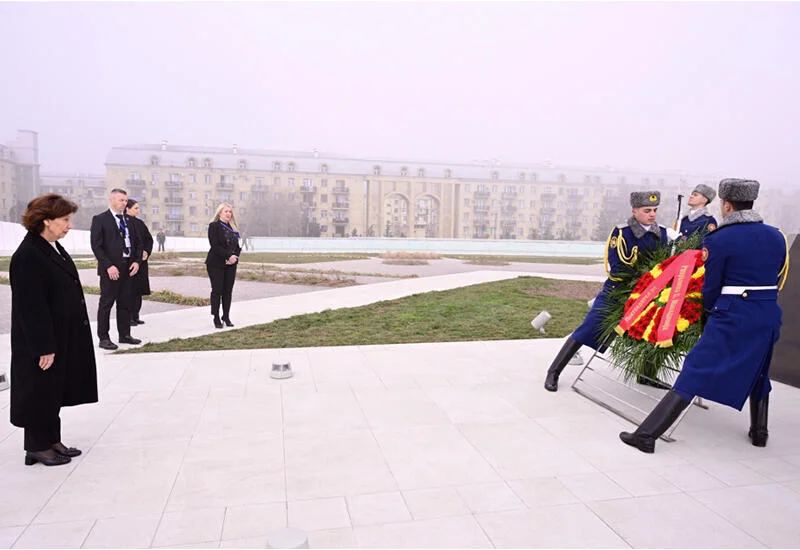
623,247
704,222
731,360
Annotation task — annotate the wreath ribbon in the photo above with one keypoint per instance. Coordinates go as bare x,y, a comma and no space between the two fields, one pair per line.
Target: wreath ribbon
680,272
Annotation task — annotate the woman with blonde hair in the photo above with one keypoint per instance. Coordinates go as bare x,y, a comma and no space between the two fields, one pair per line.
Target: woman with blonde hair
221,261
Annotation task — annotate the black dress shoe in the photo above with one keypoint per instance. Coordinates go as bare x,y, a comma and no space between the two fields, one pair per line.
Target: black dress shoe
63,450
227,322
135,322
54,459
217,323
129,340
108,344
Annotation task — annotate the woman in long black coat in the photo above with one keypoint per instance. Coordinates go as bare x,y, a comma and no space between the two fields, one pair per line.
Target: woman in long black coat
221,261
52,355
141,281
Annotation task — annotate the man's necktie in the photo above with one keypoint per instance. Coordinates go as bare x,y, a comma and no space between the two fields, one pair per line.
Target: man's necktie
123,231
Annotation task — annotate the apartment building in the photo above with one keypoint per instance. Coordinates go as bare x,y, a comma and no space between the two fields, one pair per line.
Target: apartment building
88,191
19,174
180,186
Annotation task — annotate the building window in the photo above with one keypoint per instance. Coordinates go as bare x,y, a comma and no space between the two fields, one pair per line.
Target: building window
376,170
193,227
522,176
448,173
323,198
207,163
191,163
192,210
323,168
242,164
291,196
155,210
323,215
276,165
466,202
242,210
291,167
494,203
467,187
495,174
243,196
466,216
532,204
207,195
522,204
207,179
307,182
291,182
208,210
534,176
154,177
323,183
259,181
404,171
154,160
154,193
276,182
192,195
175,177
192,178
494,189
421,173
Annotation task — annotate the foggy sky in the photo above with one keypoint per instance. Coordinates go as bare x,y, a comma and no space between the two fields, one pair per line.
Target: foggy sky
698,87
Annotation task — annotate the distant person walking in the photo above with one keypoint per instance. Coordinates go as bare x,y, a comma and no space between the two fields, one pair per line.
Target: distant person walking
221,261
117,261
161,237
52,354
141,281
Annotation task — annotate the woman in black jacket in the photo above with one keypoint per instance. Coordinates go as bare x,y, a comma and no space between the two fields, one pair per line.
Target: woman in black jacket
141,281
221,261
52,354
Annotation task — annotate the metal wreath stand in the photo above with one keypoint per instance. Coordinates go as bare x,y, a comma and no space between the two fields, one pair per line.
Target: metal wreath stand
611,401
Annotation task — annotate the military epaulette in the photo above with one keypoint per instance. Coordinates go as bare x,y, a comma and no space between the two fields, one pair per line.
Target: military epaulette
622,225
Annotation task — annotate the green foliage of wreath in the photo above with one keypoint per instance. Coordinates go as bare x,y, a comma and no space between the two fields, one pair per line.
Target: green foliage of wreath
639,358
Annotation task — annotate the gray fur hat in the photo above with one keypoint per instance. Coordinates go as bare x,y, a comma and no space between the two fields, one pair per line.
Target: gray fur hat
645,198
706,191
736,190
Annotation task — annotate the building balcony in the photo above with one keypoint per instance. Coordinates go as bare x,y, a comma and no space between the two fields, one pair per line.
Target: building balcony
340,221
480,222
508,209
136,183
173,184
308,189
173,200
224,185
309,204
548,210
259,187
339,205
481,208
509,194
508,223
174,217
482,194
341,191
548,196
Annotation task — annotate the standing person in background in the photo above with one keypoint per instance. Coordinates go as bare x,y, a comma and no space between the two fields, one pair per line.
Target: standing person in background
699,218
117,261
161,237
141,281
52,354
625,243
221,261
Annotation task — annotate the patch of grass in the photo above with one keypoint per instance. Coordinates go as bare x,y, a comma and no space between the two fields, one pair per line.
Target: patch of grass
486,261
86,264
402,255
80,263
274,257
527,259
165,296
406,262
490,311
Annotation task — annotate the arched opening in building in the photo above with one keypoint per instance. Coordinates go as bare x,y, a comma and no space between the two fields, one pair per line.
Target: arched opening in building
396,207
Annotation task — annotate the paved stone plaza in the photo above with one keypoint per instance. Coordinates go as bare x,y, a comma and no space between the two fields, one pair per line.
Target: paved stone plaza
421,445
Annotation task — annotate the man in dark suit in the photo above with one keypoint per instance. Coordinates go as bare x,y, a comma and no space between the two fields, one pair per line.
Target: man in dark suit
118,257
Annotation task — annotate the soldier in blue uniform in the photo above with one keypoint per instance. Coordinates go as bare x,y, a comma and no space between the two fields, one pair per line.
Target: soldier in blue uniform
626,241
746,263
699,218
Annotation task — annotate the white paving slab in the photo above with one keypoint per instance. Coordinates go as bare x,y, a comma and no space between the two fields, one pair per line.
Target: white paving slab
421,445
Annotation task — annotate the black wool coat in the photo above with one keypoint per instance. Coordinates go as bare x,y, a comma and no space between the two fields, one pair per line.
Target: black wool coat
224,244
48,315
144,240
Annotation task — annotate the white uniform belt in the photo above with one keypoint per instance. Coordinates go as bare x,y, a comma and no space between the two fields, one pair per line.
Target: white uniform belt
742,289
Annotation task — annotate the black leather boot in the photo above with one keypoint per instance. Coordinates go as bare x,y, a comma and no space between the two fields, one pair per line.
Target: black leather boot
226,309
569,349
758,433
215,309
666,412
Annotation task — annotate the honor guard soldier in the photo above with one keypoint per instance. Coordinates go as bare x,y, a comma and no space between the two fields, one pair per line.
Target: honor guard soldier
699,218
746,263
624,244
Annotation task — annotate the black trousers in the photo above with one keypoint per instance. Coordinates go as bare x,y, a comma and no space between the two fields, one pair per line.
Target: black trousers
118,291
136,305
160,246
41,438
222,279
